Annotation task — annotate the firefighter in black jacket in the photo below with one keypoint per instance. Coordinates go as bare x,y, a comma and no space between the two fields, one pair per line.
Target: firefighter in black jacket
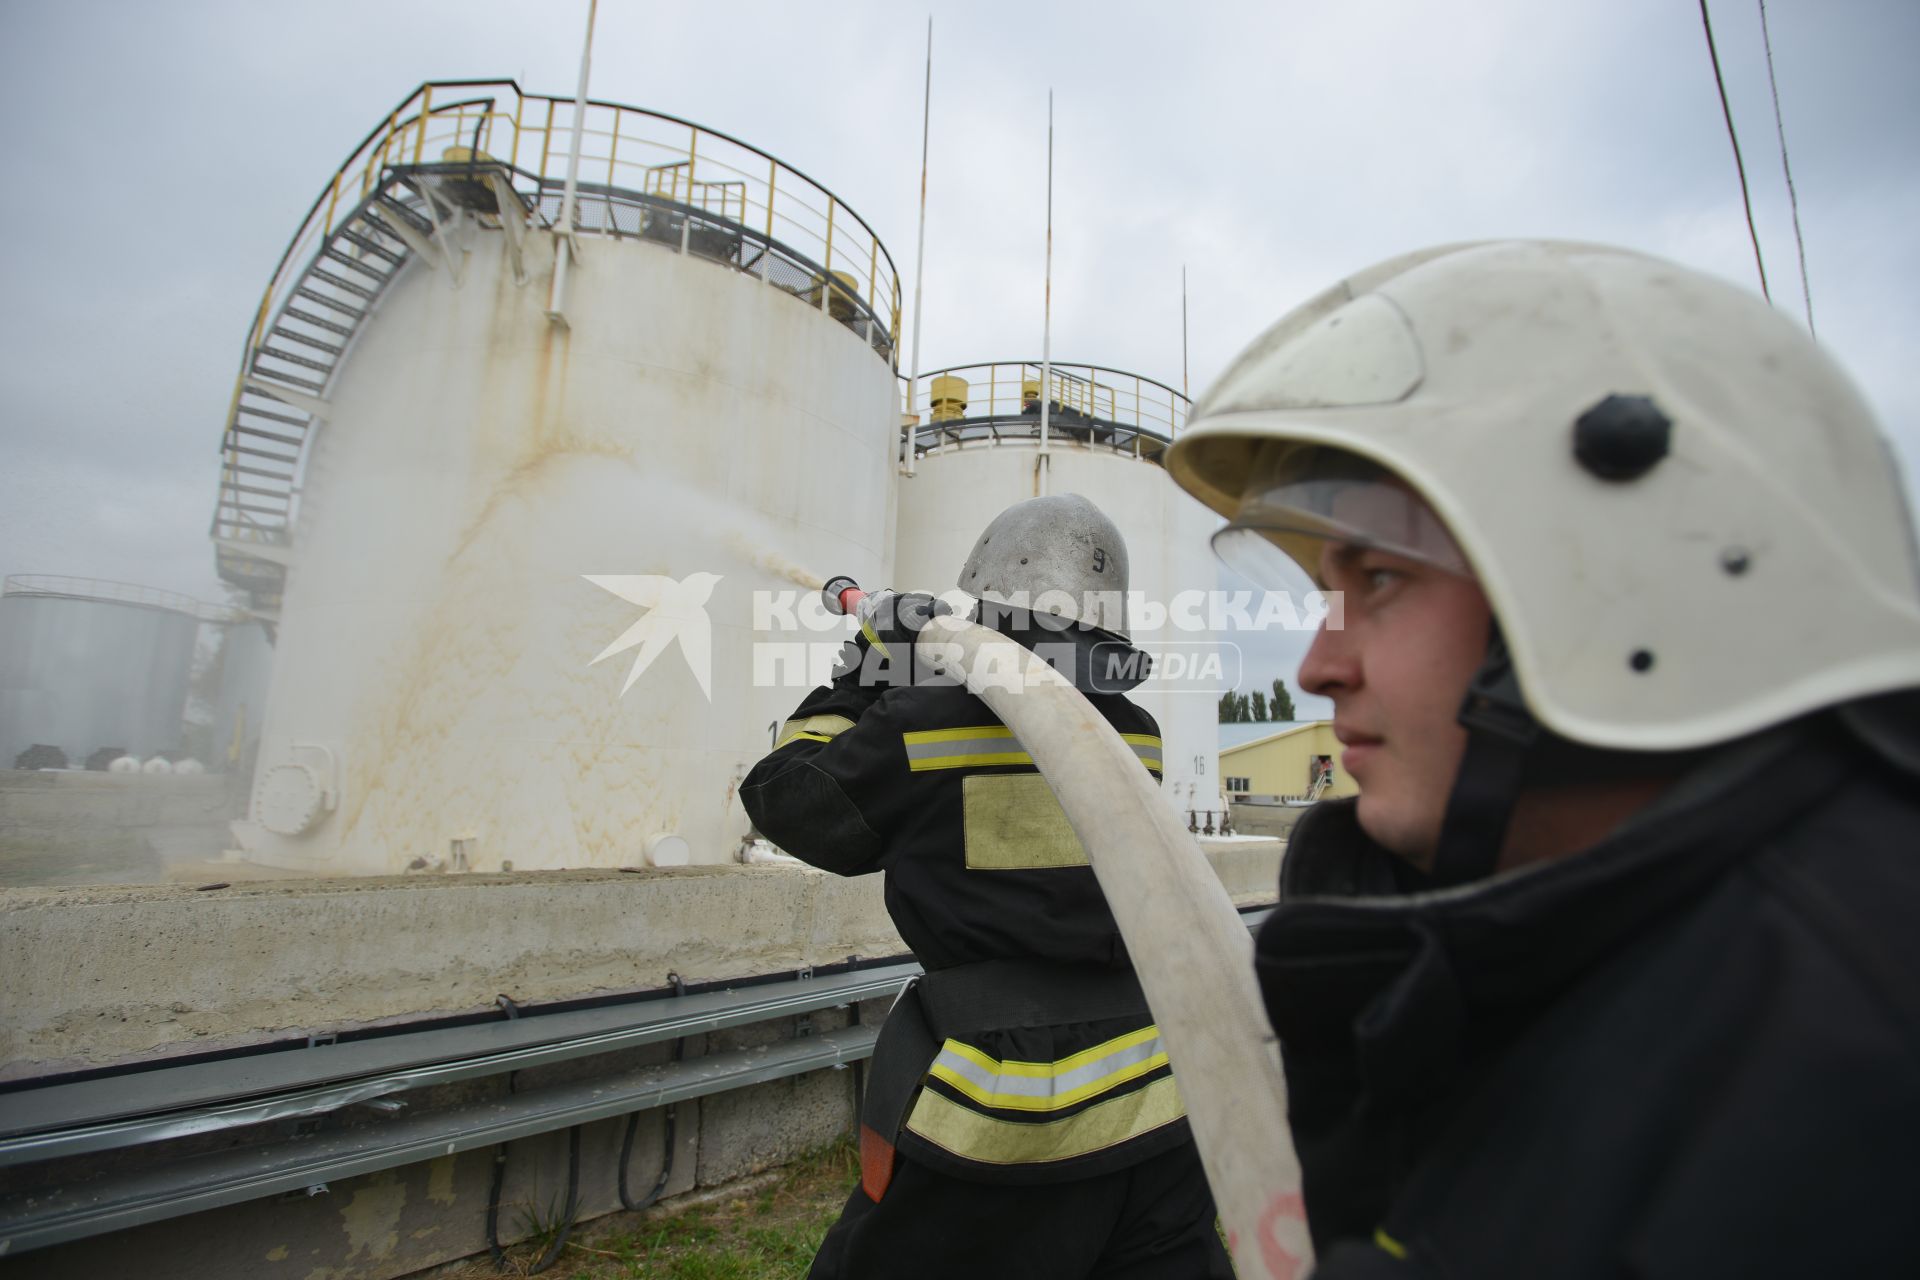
1611,969
1021,1118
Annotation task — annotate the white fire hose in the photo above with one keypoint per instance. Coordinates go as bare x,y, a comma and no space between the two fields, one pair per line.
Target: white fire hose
1189,946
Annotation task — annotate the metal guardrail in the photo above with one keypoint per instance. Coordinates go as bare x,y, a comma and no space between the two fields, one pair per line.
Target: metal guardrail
59,1214
1000,400
118,1111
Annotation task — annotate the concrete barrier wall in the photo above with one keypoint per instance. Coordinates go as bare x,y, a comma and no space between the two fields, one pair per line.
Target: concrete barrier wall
103,974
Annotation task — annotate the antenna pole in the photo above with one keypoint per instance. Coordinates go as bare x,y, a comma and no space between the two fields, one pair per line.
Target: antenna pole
1046,325
920,264
1184,389
564,250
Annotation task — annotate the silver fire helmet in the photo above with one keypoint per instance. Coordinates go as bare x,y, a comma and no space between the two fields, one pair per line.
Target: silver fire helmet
1059,556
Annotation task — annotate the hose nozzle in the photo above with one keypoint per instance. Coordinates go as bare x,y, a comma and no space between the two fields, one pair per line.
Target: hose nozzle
841,594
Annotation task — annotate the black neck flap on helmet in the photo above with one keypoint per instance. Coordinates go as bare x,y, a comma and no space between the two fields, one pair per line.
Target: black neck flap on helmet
1093,660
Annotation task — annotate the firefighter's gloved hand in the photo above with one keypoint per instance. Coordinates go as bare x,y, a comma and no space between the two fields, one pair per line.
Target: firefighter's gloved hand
890,621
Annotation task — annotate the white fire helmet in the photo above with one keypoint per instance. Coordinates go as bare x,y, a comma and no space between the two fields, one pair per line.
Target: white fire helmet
1680,509
1057,556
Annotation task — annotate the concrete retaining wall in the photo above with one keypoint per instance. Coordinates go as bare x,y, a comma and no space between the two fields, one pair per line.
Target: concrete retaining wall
97,975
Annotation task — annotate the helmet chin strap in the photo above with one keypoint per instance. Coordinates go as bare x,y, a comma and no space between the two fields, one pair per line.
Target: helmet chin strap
1500,733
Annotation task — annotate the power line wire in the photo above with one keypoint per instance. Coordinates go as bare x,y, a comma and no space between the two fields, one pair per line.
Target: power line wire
1727,111
1793,198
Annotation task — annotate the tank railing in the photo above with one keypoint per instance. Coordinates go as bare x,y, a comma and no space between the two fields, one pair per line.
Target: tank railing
104,589
1101,405
674,182
701,232
622,146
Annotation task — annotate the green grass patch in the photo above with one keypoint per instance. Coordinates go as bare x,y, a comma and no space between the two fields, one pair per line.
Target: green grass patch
769,1234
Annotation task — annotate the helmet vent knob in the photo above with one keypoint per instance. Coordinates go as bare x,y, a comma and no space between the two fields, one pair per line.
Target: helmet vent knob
1622,437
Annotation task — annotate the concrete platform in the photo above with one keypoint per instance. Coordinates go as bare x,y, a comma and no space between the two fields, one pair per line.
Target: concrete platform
99,974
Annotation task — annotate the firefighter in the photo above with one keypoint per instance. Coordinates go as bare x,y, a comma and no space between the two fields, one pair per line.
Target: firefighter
1020,1118
1611,967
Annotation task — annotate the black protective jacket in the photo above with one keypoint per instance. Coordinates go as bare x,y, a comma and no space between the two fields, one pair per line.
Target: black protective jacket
1692,1050
925,785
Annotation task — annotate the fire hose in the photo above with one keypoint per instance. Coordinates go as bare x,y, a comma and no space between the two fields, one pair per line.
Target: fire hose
1191,951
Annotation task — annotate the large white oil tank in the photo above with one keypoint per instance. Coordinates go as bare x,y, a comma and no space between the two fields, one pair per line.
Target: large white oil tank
86,664
459,485
978,450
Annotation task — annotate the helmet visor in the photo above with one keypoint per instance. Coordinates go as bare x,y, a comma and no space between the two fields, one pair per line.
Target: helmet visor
1299,499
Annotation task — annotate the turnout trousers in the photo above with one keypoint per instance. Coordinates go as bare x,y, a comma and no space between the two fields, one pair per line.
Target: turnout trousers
1150,1221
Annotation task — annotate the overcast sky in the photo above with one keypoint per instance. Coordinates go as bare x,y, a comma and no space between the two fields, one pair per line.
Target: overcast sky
165,153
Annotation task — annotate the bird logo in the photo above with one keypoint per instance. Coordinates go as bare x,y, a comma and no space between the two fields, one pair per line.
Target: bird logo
675,611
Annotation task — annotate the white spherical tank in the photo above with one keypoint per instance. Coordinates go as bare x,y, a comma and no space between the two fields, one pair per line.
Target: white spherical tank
978,452
517,624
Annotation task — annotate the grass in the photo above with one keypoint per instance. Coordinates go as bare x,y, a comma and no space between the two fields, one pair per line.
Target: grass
770,1234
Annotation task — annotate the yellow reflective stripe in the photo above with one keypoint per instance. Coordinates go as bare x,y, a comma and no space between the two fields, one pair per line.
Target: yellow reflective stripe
814,728
918,736
1148,747
991,1140
1014,1067
1388,1245
967,747
866,629
976,746
1049,1086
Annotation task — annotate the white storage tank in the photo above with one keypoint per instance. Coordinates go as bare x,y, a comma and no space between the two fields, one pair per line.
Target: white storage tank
978,451
490,496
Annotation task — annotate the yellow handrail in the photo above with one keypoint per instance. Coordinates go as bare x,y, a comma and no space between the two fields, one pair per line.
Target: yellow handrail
1003,390
800,213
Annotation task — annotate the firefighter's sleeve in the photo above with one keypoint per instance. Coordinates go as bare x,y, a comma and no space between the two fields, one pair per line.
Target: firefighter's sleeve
834,784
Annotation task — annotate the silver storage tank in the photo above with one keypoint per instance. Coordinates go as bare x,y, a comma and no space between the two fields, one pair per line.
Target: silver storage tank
86,664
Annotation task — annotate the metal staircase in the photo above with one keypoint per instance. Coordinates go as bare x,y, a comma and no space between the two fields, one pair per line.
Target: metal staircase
281,396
